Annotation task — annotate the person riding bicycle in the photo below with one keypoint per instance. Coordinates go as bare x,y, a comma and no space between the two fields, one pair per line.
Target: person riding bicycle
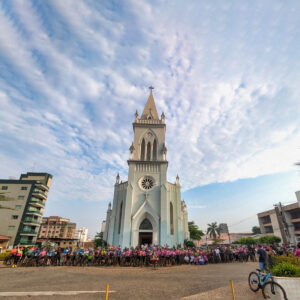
262,258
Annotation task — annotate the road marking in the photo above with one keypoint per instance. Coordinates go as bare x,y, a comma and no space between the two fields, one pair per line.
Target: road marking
49,293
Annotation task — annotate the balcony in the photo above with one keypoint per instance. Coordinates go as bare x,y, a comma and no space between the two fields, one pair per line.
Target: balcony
296,220
25,241
32,221
267,224
37,202
34,211
29,232
42,186
39,193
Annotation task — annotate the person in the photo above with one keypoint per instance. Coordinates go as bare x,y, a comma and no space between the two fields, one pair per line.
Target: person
262,258
297,252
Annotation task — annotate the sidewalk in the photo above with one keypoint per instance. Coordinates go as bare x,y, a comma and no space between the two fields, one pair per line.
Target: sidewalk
242,292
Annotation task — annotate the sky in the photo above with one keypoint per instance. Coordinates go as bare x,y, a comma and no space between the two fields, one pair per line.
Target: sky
226,74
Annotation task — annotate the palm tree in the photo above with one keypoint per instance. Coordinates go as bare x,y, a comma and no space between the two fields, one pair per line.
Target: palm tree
213,230
3,197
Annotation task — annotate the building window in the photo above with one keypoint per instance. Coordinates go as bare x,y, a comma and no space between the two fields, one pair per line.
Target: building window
143,150
18,207
4,187
24,188
171,219
15,217
120,218
154,150
11,227
149,151
21,197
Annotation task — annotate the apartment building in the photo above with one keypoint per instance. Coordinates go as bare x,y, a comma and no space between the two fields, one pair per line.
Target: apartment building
24,203
282,221
55,227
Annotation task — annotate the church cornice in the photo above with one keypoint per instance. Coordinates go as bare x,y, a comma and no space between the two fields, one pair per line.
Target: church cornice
149,124
148,162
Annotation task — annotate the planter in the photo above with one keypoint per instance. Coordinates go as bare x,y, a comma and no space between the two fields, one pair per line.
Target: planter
291,286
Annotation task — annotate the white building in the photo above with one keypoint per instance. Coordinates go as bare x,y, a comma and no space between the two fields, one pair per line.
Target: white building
147,208
81,234
103,225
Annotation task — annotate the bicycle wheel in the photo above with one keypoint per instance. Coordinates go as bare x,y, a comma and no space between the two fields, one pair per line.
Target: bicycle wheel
253,281
273,290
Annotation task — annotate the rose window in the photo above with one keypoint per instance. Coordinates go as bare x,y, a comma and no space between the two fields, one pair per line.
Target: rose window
147,183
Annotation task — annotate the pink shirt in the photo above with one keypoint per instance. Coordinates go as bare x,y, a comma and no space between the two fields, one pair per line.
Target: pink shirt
297,253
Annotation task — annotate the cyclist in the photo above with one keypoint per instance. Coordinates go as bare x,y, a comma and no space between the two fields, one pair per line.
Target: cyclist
262,258
297,252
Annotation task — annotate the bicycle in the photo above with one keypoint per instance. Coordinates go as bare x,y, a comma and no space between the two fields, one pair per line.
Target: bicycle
270,288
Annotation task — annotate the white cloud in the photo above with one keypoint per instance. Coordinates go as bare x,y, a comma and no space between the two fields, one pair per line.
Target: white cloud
227,82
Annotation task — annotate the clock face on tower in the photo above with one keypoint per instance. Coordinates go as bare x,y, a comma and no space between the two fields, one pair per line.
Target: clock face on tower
146,183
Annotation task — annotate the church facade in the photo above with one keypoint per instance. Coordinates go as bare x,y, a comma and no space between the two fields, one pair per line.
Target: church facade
147,209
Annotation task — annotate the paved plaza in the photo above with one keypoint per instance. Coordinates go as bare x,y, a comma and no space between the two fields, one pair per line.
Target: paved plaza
189,282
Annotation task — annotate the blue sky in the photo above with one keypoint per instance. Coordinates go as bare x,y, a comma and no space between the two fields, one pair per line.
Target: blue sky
226,74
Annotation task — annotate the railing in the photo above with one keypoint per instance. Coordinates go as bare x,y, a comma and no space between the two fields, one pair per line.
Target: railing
31,210
44,186
36,200
25,241
30,220
266,222
29,231
37,191
146,121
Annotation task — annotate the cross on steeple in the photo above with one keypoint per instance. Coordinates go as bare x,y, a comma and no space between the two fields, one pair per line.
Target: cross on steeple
151,88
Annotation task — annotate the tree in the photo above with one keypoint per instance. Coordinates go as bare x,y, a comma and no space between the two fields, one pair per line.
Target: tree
269,239
256,230
5,198
189,244
98,239
213,230
195,232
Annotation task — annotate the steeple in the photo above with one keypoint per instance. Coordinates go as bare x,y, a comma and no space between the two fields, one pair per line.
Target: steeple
150,111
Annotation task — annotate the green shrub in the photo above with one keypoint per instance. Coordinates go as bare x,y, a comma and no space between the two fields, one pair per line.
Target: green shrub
292,259
4,255
286,269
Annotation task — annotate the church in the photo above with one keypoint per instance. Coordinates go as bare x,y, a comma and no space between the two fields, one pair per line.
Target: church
147,209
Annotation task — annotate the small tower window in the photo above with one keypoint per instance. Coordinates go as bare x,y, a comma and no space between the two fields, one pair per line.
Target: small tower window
143,150
120,217
171,219
154,150
148,151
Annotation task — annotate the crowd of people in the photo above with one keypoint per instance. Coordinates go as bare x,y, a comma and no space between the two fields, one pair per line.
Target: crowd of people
146,255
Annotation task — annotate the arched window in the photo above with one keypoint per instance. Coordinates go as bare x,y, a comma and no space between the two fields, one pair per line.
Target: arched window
143,150
171,219
146,225
154,150
148,151
120,217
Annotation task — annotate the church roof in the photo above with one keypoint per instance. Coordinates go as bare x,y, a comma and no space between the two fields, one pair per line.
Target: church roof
150,108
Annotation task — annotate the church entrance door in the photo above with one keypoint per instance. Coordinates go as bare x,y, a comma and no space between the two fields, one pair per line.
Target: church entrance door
145,233
145,238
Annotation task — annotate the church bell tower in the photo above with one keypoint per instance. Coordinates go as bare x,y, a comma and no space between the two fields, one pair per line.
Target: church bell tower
147,209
